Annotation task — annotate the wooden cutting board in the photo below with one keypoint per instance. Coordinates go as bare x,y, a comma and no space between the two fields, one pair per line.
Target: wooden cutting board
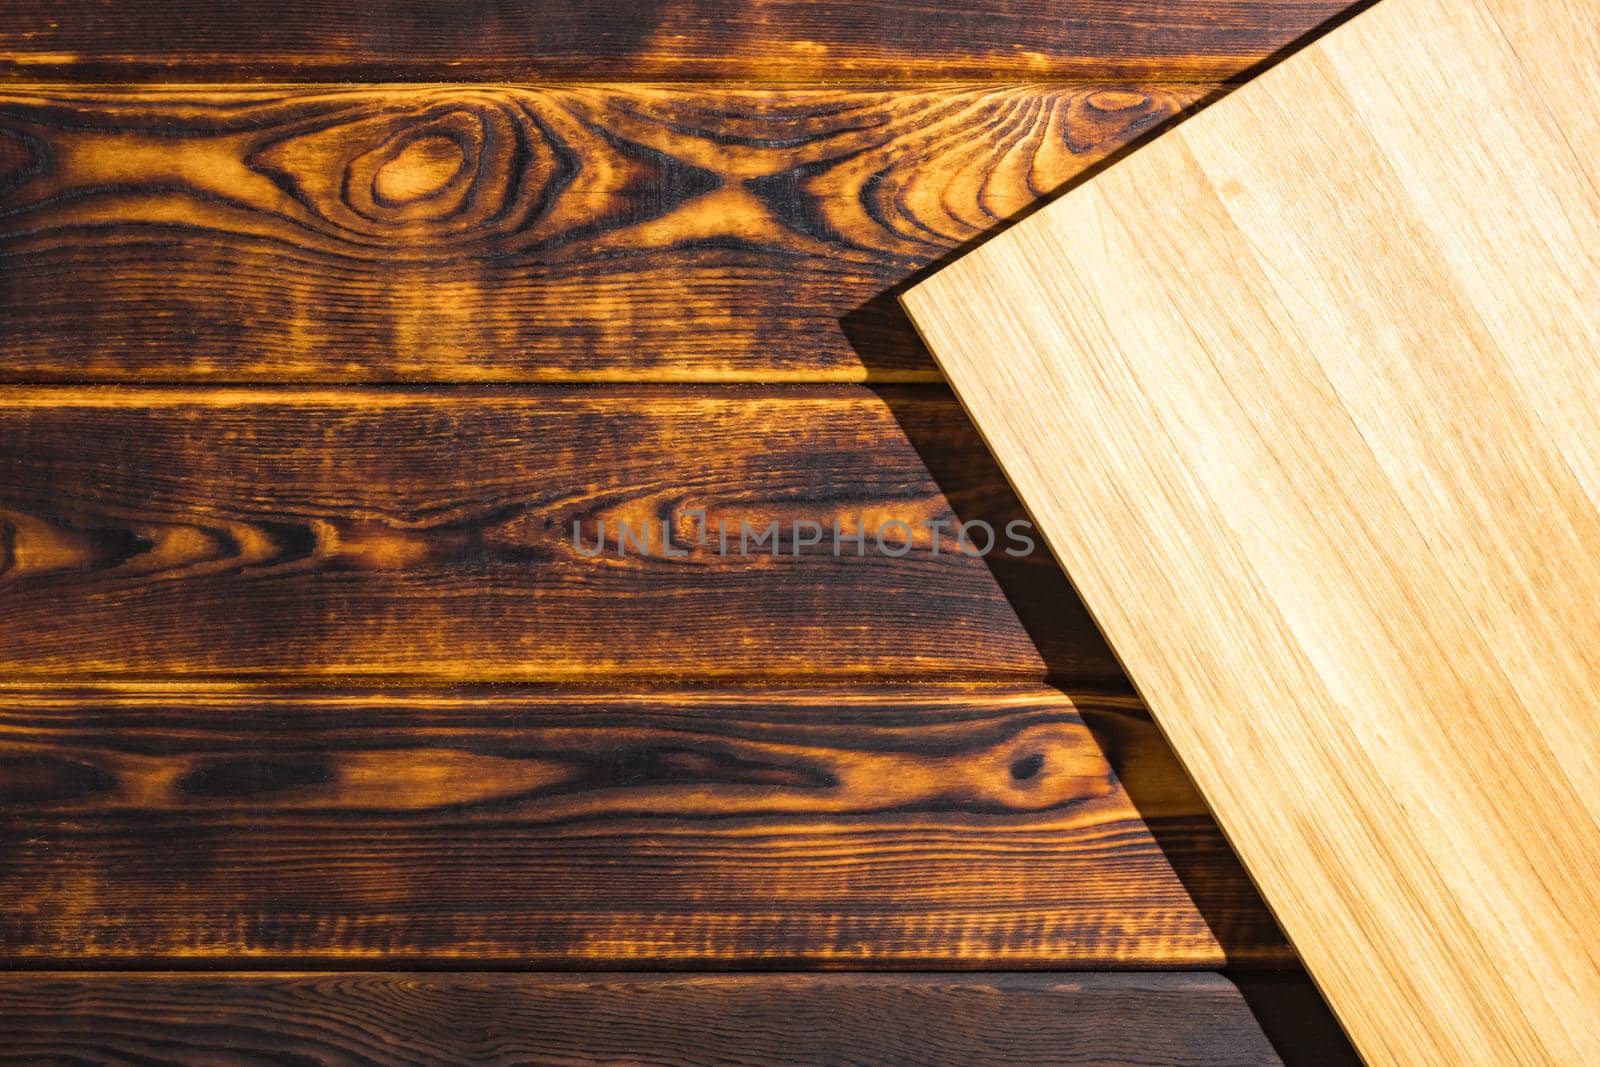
1306,398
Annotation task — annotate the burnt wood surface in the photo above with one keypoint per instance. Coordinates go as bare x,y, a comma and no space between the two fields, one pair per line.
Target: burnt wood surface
572,200
1152,1020
459,233
957,827
398,532
739,40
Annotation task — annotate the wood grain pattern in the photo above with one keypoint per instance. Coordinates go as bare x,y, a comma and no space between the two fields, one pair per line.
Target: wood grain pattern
453,233
395,532
740,40
696,191
1304,398
957,826
723,1020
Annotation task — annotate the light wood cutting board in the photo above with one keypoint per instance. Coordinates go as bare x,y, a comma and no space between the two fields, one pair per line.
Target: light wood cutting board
1306,398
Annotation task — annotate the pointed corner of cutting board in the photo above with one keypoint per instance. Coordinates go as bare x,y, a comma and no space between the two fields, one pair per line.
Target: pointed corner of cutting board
1301,396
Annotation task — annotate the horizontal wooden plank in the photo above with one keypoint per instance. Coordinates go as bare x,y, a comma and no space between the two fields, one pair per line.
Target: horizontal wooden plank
769,40
467,234
949,826
1170,1020
457,535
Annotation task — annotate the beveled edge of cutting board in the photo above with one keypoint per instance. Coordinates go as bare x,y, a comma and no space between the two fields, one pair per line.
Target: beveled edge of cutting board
922,294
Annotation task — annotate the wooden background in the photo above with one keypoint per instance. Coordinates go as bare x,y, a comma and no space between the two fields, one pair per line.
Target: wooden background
320,327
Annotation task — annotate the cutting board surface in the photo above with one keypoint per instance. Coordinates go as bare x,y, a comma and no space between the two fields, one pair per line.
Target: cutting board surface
1305,397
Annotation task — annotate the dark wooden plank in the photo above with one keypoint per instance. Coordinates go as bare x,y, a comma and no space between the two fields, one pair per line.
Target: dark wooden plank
400,532
947,826
467,234
767,40
1161,1020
